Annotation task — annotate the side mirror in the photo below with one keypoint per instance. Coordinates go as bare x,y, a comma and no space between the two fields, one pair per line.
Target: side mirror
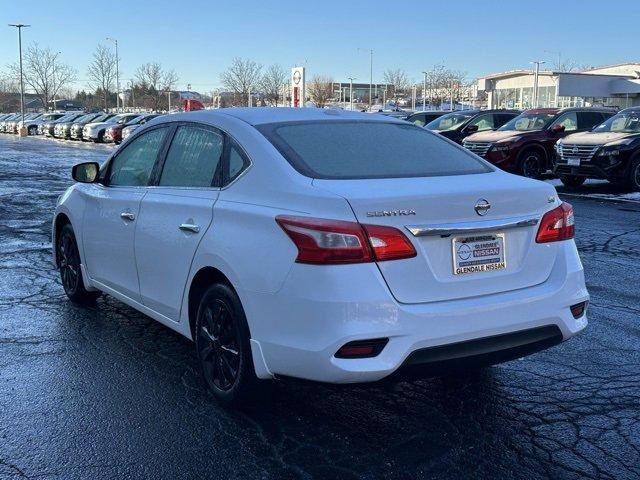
86,172
557,128
471,129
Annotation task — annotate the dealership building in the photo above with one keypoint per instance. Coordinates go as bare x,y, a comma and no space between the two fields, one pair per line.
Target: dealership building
614,85
361,91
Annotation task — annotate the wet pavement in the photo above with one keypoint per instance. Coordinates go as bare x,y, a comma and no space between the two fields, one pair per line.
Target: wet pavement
105,392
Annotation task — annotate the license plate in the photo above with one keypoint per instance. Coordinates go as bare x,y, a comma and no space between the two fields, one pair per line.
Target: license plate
479,253
574,162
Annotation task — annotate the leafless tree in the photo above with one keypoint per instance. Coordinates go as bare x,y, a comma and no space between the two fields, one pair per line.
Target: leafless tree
153,82
444,83
242,77
398,81
102,72
9,88
320,90
44,73
272,83
566,65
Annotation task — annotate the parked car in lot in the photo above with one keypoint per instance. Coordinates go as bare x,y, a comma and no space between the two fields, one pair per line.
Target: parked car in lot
94,131
47,129
8,119
399,114
457,125
610,151
525,145
32,125
130,128
78,125
14,125
63,129
335,264
422,118
114,132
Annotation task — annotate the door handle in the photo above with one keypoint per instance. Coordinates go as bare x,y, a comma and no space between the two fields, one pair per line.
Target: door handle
128,216
189,227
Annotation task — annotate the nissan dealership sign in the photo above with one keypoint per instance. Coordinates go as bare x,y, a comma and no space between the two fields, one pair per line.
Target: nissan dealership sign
297,87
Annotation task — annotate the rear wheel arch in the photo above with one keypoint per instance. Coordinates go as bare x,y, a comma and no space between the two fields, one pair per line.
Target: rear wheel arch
202,280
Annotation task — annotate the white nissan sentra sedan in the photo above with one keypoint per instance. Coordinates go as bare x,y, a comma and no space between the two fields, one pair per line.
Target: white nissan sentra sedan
321,244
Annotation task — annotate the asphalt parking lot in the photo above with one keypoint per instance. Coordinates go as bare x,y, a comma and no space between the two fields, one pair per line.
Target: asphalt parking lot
106,392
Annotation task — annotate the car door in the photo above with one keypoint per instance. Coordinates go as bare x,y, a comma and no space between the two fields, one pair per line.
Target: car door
111,213
175,215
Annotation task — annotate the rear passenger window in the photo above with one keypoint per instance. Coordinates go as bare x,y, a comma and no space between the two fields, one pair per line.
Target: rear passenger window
237,163
193,158
588,120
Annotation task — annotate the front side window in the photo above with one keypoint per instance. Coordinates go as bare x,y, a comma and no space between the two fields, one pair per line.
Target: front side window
484,122
366,149
419,120
568,120
134,164
450,121
528,122
193,158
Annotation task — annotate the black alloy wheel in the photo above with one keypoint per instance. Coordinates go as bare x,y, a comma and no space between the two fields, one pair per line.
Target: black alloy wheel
223,346
634,174
531,164
68,258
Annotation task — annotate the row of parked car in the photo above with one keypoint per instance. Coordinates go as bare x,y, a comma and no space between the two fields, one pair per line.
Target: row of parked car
96,127
574,143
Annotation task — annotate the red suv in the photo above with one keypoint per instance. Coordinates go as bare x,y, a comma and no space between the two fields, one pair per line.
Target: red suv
525,145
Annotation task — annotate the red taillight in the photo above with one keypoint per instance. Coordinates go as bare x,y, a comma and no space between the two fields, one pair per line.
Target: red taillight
556,225
322,241
389,243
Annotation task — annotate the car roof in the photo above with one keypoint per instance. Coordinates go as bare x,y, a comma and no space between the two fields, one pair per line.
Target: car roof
635,109
263,115
570,109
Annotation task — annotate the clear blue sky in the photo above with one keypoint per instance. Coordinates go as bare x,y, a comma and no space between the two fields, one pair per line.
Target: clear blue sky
199,38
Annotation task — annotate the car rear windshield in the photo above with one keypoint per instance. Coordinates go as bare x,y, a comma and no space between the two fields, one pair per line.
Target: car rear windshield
364,149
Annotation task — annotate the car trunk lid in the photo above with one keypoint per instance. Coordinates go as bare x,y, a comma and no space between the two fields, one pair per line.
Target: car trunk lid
447,204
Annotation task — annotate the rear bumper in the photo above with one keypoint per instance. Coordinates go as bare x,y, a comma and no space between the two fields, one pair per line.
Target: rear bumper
319,309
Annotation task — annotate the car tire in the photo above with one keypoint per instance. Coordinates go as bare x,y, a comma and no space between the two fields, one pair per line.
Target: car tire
633,181
573,181
32,131
100,138
68,259
531,163
223,346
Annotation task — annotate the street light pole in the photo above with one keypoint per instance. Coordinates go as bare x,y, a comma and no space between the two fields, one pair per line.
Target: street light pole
537,63
20,26
114,40
424,92
351,79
